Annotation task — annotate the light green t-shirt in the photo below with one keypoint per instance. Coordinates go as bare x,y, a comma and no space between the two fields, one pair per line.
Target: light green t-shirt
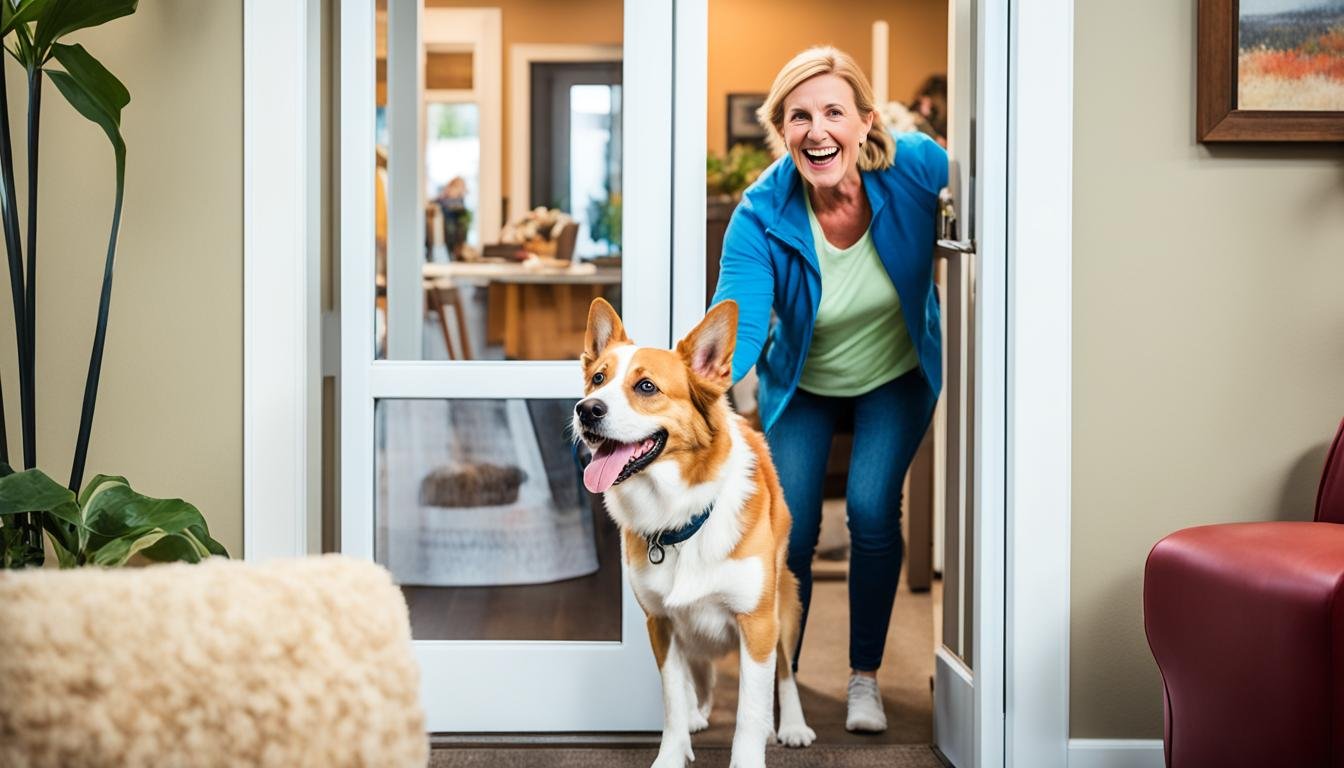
860,341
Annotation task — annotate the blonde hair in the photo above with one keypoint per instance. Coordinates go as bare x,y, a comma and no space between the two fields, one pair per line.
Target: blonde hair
878,151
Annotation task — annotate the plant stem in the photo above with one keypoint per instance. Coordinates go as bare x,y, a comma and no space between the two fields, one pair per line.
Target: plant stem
4,434
9,211
96,358
30,405
34,116
9,216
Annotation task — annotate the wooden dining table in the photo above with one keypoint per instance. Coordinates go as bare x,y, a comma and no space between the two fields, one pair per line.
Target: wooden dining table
537,312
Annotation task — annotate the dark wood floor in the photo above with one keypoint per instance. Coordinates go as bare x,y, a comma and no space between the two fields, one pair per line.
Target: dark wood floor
586,608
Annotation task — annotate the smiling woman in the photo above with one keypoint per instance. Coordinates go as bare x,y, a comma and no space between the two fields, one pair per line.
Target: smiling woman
847,268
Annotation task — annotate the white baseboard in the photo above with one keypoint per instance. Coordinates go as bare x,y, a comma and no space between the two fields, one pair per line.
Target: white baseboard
1116,753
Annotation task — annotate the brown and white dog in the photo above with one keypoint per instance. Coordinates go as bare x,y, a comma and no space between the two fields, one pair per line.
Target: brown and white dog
704,526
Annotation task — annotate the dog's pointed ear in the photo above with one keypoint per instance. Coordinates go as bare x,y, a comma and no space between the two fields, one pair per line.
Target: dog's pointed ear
708,349
604,329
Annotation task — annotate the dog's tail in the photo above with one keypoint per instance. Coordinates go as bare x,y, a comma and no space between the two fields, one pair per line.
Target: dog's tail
790,623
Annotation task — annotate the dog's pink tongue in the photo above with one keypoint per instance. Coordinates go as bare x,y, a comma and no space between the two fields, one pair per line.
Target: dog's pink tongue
606,465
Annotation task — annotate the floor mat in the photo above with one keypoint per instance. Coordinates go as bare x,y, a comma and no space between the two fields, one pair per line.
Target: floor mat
875,756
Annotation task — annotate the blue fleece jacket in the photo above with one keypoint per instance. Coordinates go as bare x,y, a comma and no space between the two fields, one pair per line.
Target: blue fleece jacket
770,262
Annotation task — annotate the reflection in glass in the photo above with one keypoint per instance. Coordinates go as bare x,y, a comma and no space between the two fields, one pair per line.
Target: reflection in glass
483,519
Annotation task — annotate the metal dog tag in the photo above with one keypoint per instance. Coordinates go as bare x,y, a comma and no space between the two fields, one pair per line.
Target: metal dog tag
656,553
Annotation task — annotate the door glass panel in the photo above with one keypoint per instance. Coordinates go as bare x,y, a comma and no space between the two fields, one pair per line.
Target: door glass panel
482,518
478,262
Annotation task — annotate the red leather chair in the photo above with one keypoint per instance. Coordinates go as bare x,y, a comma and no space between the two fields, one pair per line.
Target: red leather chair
1246,622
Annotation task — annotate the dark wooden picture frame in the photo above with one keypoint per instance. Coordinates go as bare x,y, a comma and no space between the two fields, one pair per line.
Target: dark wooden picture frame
1217,117
741,120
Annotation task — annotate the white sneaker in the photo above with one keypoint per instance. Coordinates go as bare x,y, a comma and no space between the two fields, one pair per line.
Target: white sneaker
865,706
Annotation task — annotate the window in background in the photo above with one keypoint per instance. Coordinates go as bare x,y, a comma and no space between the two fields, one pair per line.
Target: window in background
594,167
576,109
453,169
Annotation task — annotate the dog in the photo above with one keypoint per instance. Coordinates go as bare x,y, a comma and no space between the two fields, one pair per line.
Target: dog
704,527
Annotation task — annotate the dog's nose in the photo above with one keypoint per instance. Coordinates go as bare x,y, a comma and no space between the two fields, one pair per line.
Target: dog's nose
590,411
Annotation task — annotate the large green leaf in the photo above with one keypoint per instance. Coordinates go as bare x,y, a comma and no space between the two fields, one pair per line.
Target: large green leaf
118,551
183,546
203,537
91,107
120,510
32,491
12,15
122,522
61,17
98,484
101,85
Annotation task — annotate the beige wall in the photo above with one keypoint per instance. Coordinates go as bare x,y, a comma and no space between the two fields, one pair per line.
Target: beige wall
169,412
749,40
1208,336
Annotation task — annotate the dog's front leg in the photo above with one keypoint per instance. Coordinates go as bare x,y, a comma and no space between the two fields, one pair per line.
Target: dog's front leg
675,749
756,689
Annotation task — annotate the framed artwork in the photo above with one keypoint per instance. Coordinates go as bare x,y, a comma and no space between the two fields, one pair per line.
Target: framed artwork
742,125
1270,70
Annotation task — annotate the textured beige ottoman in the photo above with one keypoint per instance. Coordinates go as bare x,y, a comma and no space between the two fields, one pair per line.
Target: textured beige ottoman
293,663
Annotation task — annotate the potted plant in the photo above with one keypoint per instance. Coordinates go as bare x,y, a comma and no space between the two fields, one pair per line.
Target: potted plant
105,522
726,178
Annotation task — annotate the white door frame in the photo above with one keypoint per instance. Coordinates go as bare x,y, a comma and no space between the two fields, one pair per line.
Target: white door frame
521,58
1024,401
281,247
1038,422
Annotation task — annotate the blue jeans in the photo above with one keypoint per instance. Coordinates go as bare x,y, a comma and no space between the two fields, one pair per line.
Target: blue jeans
888,422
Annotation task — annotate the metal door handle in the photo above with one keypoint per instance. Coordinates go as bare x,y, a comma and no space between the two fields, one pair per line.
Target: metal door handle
949,247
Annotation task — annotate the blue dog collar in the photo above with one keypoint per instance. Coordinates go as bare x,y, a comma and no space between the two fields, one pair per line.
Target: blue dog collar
660,541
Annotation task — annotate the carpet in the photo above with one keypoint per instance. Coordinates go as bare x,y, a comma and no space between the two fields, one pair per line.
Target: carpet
816,756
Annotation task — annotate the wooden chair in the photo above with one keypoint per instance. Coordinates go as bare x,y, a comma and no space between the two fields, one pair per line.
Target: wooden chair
439,295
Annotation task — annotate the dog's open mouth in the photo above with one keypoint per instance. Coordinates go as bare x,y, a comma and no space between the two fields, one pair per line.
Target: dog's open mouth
614,462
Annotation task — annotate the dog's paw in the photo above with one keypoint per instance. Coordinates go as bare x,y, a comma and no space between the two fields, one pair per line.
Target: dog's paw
796,735
699,720
674,755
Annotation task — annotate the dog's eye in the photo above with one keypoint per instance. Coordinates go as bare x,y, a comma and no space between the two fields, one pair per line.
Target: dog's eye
646,386
598,378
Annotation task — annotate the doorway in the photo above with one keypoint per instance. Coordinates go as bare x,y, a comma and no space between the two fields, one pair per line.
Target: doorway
907,50
520,381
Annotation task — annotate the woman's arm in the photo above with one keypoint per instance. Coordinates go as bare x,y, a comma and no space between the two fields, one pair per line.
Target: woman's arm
747,276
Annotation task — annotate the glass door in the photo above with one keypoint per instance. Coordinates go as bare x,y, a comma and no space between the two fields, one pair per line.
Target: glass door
462,316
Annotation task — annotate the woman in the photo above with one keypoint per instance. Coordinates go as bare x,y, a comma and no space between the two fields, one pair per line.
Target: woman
837,238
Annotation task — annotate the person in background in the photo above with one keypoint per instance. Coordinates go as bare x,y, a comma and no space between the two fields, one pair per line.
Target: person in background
837,239
930,103
452,202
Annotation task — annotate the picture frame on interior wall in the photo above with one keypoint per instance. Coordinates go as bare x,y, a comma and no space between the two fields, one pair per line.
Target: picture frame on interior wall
1269,70
742,125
